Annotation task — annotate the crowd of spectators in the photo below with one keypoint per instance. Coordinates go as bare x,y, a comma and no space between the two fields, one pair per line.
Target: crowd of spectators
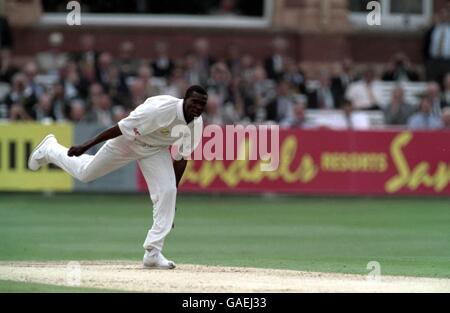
94,86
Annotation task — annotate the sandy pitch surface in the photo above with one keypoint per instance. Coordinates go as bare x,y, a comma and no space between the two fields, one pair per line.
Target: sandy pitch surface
130,276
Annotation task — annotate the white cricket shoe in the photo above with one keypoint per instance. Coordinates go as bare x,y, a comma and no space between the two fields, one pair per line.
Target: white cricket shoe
157,261
38,157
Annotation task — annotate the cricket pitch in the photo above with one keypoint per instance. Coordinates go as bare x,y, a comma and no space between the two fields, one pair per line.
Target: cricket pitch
130,276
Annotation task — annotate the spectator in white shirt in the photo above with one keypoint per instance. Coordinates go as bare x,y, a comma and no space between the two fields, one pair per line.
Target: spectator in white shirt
366,93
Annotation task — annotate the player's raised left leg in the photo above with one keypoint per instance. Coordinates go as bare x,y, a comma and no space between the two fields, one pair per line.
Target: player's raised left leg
38,157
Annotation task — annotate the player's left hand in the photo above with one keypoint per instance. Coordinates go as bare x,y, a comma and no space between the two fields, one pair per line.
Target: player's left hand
77,151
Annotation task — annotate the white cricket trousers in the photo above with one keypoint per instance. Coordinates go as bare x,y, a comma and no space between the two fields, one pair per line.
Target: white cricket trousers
156,166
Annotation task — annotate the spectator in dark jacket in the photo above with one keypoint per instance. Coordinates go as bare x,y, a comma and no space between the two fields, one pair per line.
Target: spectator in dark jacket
400,70
398,112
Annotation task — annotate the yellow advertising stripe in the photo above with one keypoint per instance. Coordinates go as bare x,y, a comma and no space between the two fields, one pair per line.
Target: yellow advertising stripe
17,140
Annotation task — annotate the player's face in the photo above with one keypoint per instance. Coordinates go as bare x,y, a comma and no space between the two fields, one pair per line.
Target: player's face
195,105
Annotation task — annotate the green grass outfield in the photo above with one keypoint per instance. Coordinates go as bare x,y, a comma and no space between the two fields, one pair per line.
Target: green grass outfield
407,236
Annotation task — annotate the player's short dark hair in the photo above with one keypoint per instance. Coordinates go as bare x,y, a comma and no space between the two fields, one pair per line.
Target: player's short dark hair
197,89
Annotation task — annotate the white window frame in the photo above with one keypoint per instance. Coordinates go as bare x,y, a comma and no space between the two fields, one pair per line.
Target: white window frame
166,20
394,22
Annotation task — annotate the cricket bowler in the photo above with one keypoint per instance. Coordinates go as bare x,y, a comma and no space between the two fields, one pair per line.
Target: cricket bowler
144,136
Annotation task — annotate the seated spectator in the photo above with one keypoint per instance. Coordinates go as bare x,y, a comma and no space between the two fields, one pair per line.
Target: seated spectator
43,110
433,92
446,118
282,107
88,54
192,71
146,76
105,61
366,93
234,59
162,65
177,84
127,63
219,82
400,70
446,92
138,94
257,93
437,46
293,74
322,97
52,60
298,119
77,113
353,120
203,59
31,71
102,111
116,86
70,80
118,113
21,99
213,111
60,103
87,77
275,63
424,119
343,76
398,112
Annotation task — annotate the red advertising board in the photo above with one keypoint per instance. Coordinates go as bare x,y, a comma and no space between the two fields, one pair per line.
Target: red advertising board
335,162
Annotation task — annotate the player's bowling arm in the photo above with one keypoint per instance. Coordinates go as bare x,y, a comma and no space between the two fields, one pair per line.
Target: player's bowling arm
179,167
110,133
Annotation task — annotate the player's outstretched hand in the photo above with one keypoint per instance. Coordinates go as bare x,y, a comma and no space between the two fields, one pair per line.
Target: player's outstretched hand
76,151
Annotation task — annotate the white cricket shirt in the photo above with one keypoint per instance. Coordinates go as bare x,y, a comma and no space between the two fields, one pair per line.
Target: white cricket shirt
152,122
